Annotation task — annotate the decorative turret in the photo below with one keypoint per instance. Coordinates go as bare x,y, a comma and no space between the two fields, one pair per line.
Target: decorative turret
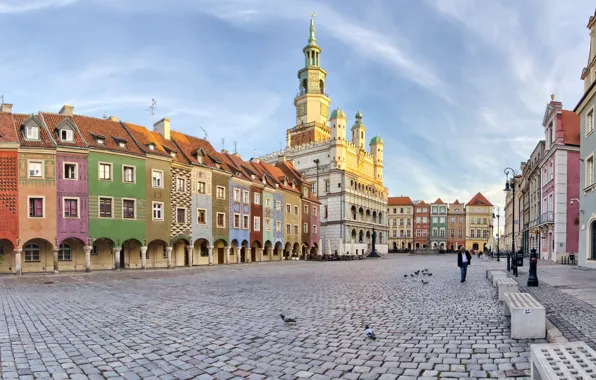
376,149
358,131
338,124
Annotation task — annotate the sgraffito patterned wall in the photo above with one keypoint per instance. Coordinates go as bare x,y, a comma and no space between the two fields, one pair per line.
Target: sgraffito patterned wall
183,200
9,227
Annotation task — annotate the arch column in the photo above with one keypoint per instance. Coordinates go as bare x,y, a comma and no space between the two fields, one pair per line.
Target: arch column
260,253
55,251
17,257
144,257
211,255
190,254
237,254
169,253
227,250
88,249
117,257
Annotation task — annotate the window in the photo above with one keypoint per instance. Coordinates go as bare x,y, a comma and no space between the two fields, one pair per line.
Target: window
221,220
236,195
70,171
32,132
267,224
305,210
268,202
220,192
550,171
288,229
418,219
100,141
71,207
245,224
442,232
327,186
122,144
180,185
277,226
305,230
64,252
202,216
180,215
257,198
278,205
435,219
35,169
236,220
296,229
66,135
435,232
326,212
461,219
471,233
36,207
312,187
401,210
485,234
157,211
105,172
590,171
442,219
452,233
94,251
484,220
394,233
128,174
288,208
201,187
296,210
590,122
245,197
31,253
305,192
157,178
460,233
314,210
128,209
256,223
105,207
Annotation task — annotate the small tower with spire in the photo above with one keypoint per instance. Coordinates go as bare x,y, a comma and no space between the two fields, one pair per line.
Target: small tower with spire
358,131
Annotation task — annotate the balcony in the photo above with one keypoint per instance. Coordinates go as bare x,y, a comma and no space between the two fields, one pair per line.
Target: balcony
546,218
304,92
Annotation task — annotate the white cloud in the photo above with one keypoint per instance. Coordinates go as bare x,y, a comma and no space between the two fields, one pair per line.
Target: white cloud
22,6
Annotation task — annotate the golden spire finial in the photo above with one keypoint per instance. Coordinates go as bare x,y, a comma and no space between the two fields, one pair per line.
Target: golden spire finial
313,15
552,97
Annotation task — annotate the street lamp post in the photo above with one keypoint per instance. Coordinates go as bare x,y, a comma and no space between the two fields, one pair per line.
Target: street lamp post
498,228
510,186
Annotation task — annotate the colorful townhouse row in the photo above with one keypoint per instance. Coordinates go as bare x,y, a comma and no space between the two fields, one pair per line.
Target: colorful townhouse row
83,193
439,225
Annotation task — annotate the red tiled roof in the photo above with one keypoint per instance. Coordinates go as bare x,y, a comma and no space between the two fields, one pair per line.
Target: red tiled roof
399,201
52,120
189,145
144,138
111,130
479,199
570,122
438,202
456,202
8,133
44,141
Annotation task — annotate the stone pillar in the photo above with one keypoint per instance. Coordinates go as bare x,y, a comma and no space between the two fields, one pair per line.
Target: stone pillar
211,255
248,254
88,249
260,253
143,257
227,250
17,258
169,253
237,254
117,257
55,251
190,254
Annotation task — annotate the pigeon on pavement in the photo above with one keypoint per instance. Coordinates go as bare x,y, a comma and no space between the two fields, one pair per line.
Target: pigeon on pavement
370,333
287,319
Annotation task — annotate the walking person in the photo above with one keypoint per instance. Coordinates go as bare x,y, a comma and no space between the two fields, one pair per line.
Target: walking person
463,260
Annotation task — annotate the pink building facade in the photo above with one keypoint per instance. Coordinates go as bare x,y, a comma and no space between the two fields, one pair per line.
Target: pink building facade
559,178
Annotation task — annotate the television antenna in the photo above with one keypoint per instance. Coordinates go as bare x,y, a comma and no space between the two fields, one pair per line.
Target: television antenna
223,144
1,99
235,150
206,136
151,109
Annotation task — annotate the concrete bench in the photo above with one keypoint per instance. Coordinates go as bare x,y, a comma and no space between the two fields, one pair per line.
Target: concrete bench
528,317
570,360
489,273
506,285
498,275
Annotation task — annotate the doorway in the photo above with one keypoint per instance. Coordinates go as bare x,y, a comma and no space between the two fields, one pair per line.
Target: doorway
220,255
253,254
242,255
122,259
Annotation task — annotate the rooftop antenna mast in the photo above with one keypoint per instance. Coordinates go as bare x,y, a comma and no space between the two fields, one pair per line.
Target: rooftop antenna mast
152,110
206,136
223,144
235,150
1,99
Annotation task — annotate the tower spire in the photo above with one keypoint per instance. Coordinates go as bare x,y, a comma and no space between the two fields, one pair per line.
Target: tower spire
312,40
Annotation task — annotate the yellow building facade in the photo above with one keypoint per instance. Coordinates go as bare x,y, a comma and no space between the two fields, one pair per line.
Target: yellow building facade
479,213
400,213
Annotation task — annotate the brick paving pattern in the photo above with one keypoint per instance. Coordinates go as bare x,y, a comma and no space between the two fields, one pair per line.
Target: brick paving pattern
223,322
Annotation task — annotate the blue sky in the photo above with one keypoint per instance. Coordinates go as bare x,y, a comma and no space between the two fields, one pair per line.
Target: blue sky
456,88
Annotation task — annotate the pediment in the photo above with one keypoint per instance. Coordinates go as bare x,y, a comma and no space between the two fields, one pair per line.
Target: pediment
65,124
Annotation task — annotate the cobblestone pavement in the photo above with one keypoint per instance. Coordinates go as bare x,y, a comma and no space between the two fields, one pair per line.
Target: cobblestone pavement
223,322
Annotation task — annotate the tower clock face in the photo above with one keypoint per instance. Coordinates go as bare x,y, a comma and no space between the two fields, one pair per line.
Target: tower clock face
301,110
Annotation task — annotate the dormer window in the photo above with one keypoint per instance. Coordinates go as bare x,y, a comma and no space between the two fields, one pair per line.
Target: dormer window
173,154
100,141
122,144
32,132
151,146
66,135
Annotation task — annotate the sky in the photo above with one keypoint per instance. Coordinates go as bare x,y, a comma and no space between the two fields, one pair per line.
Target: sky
456,88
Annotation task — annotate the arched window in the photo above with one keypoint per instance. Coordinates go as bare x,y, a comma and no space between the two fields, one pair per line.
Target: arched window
64,253
31,253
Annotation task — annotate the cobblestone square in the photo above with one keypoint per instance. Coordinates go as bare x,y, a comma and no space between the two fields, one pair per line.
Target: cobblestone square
222,322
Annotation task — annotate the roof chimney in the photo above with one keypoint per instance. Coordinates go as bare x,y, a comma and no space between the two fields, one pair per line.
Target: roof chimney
281,158
66,110
5,107
236,154
113,118
163,127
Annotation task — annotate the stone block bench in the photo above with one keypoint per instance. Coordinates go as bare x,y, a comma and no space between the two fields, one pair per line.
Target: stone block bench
506,285
498,275
489,273
528,317
570,360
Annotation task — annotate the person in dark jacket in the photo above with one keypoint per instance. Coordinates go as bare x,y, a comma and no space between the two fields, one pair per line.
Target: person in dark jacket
463,260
